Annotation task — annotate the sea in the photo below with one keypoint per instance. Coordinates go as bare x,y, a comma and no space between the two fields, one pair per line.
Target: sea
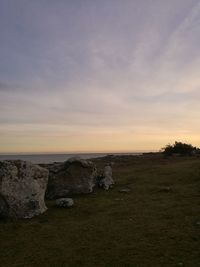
50,158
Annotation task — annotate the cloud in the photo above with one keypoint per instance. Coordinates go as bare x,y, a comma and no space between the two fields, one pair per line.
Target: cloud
3,86
99,67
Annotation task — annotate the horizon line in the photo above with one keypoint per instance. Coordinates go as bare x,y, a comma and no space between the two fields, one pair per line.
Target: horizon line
78,152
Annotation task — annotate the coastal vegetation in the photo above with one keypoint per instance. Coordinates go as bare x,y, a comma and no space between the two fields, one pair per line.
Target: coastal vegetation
179,148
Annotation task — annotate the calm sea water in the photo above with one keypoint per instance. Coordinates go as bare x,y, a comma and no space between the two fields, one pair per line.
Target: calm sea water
50,158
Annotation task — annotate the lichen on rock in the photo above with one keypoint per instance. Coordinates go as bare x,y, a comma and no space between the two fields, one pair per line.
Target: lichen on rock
74,176
23,186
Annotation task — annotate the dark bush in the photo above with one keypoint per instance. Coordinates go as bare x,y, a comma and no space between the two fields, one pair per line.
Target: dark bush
180,148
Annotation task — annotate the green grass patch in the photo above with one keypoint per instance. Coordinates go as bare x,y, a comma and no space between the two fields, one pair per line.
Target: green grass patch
145,227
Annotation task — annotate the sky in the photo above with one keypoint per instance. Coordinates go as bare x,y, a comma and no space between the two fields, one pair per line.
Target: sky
98,76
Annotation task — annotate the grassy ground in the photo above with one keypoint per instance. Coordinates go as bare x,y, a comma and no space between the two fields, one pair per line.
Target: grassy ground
152,225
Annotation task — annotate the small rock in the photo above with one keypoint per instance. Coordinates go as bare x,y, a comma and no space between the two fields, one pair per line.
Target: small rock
64,202
124,190
180,264
119,199
165,189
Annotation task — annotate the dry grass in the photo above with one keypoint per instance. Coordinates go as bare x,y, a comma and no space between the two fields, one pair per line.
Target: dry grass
149,226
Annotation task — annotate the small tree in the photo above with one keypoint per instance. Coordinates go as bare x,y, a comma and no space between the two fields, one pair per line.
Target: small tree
179,148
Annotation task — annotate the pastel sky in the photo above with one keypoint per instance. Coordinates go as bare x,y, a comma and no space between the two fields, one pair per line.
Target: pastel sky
91,75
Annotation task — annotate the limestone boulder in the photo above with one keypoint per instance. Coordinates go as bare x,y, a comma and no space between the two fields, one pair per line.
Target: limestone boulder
106,180
23,186
75,176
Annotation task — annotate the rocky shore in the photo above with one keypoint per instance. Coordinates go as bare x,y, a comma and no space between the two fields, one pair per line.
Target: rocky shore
24,186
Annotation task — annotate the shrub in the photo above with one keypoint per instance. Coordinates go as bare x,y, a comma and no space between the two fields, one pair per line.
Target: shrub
180,148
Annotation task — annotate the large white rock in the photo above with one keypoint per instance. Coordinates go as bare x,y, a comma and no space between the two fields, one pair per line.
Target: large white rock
75,176
106,181
23,186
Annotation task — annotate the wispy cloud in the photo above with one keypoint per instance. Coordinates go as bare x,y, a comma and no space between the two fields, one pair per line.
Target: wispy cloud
97,69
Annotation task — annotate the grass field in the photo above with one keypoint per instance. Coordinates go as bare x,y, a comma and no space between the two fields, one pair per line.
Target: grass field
156,224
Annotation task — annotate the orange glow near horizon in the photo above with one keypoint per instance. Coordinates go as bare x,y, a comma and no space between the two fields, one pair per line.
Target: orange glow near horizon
94,142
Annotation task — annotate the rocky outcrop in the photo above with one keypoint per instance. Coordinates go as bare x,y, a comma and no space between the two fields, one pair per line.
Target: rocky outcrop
75,176
64,202
105,180
23,186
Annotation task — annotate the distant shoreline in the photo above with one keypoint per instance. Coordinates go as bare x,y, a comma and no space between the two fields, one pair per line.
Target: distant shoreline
74,153
51,158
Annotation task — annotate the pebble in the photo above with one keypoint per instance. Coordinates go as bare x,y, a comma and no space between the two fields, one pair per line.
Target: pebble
180,264
165,189
124,190
64,202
